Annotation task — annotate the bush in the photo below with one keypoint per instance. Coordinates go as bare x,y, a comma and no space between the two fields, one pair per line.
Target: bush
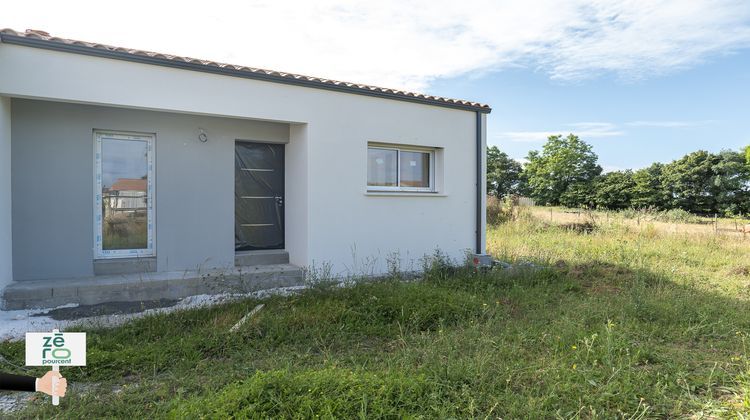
503,210
497,213
677,215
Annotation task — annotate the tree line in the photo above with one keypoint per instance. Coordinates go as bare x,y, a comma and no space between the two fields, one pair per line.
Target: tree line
566,172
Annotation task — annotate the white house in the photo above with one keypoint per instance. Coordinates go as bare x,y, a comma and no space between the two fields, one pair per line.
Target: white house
129,175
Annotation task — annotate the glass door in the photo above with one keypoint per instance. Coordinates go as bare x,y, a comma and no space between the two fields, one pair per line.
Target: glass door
123,195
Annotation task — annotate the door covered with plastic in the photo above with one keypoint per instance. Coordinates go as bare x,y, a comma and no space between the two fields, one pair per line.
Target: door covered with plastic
258,196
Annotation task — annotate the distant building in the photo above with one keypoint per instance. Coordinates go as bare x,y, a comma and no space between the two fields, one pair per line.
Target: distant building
126,195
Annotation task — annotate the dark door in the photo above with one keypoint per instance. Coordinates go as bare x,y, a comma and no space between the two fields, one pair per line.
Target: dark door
258,196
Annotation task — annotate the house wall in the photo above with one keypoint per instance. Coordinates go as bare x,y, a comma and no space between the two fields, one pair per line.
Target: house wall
53,180
6,248
343,225
296,190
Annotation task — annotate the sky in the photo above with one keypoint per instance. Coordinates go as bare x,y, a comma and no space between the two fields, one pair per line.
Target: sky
123,159
641,80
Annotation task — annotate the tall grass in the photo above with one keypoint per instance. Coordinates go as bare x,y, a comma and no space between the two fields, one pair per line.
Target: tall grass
612,323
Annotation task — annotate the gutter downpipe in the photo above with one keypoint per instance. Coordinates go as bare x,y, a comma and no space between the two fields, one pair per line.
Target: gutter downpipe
479,197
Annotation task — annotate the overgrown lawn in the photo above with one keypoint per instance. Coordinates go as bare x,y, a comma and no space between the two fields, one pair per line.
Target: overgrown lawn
607,323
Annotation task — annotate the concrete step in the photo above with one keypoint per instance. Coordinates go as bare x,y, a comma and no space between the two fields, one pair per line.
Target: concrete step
148,286
263,257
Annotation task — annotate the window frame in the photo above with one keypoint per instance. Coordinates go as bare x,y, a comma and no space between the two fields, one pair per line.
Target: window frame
150,250
399,188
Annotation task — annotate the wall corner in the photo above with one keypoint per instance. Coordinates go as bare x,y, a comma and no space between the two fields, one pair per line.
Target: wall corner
6,227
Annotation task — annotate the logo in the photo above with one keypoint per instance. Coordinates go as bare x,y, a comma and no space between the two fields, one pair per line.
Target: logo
56,349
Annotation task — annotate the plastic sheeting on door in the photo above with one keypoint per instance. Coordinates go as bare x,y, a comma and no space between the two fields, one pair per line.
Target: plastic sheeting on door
259,196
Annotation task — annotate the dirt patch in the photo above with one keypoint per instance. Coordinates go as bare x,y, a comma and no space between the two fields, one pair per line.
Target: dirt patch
597,277
110,308
741,271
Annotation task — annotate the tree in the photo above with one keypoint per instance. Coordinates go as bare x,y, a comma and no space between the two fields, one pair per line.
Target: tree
732,180
691,182
614,190
503,173
649,189
578,194
708,183
566,167
747,155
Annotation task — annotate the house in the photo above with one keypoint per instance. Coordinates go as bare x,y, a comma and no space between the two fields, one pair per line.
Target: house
128,175
126,195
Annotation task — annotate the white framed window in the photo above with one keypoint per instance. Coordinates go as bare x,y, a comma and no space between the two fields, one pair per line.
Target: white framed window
123,194
400,168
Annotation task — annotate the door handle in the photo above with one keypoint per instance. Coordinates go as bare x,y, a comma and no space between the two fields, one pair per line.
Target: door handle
279,201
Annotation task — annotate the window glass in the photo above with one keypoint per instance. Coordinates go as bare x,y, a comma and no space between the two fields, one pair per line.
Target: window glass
124,183
382,170
415,169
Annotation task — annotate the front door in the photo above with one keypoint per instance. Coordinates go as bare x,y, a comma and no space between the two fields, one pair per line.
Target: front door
258,196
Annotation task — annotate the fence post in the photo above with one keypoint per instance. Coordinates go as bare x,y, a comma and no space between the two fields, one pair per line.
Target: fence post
716,223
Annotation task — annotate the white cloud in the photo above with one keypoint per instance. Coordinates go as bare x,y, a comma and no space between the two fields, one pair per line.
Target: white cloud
669,124
408,44
584,130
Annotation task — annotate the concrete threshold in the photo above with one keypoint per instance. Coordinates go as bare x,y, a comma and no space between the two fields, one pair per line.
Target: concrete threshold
50,293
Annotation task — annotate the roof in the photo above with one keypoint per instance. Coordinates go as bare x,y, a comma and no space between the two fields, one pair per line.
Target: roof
41,39
129,184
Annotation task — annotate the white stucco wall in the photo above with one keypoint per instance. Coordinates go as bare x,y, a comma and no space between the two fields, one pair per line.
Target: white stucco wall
341,225
297,222
6,248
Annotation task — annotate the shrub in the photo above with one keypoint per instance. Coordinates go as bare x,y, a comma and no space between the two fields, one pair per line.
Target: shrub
677,215
497,212
502,210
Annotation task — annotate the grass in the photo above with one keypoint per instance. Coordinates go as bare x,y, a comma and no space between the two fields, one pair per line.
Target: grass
125,231
619,323
671,221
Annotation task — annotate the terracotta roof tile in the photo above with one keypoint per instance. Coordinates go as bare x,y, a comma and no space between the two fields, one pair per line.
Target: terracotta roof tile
129,184
273,75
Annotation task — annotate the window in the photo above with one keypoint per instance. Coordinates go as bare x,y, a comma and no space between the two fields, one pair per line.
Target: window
391,168
123,195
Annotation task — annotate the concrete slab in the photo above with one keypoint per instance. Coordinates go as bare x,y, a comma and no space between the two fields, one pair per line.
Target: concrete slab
148,286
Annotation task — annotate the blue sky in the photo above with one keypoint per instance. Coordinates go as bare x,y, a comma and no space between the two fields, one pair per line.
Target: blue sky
630,123
641,80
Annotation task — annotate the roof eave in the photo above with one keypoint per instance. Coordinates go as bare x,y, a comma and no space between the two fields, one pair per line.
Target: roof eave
207,68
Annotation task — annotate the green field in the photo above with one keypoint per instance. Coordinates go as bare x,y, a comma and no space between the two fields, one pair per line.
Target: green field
610,322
